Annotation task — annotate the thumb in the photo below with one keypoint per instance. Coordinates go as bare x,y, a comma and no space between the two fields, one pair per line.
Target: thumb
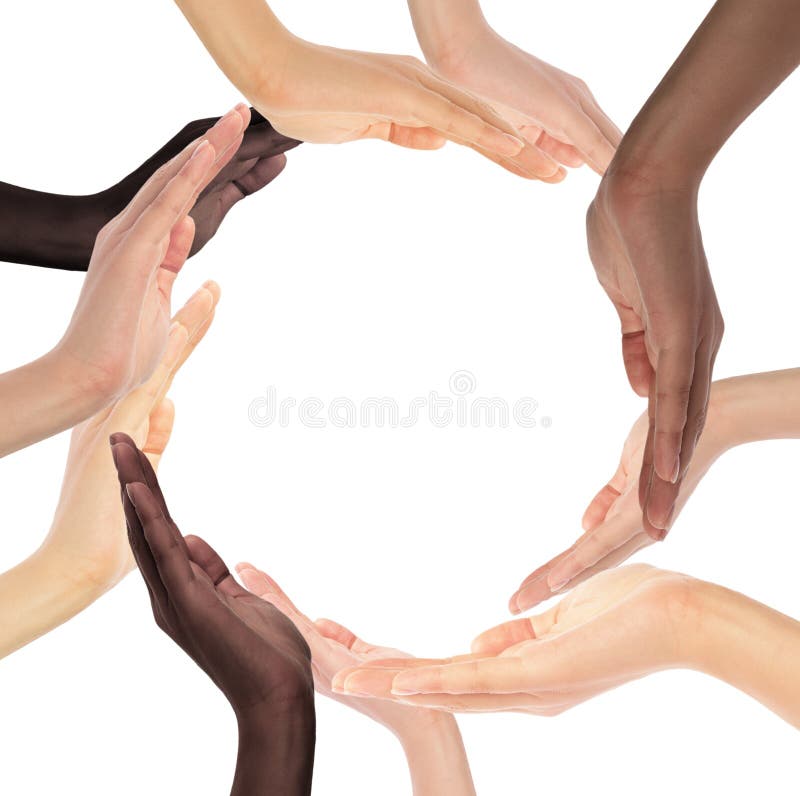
180,244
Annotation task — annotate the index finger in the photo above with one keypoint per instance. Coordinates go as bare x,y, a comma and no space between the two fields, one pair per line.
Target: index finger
170,557
467,120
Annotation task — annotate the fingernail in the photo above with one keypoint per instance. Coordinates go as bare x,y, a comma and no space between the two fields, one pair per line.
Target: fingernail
130,494
556,587
402,692
201,147
355,693
517,143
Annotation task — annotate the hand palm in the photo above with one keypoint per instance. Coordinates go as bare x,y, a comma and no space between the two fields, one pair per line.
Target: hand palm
334,648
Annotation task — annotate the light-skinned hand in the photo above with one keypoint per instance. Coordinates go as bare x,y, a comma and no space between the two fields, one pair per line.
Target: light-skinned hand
119,328
618,626
431,739
86,551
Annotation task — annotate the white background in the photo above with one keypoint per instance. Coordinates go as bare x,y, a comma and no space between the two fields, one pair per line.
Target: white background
367,270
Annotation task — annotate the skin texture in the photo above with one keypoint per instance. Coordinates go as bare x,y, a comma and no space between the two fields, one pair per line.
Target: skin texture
327,95
248,648
59,231
555,111
119,328
86,551
431,739
741,410
644,233
618,626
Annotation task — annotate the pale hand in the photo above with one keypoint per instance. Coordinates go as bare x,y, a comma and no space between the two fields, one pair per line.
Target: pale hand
554,110
619,626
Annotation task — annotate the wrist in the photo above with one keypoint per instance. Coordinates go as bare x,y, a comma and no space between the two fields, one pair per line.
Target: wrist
437,760
276,749
448,31
81,393
425,730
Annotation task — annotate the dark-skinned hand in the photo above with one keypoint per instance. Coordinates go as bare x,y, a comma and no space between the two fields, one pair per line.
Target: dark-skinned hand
59,231
252,652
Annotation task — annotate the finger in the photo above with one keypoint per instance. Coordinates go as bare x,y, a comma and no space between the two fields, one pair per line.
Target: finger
262,140
637,364
262,173
160,425
612,560
593,546
367,682
188,328
674,377
603,121
212,564
264,585
220,137
590,141
409,137
534,588
180,244
598,509
483,703
171,559
501,637
471,122
561,151
140,469
155,224
391,665
127,464
197,320
338,633
698,405
491,675
133,410
342,635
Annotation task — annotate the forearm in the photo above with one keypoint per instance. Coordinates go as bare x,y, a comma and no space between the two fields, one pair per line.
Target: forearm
437,760
47,229
750,646
758,407
41,399
276,753
37,596
740,53
445,28
247,41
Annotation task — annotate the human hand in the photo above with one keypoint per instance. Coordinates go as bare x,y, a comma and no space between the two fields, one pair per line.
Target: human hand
251,651
86,551
333,648
645,244
119,328
431,739
88,532
257,161
552,109
612,523
328,95
618,626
